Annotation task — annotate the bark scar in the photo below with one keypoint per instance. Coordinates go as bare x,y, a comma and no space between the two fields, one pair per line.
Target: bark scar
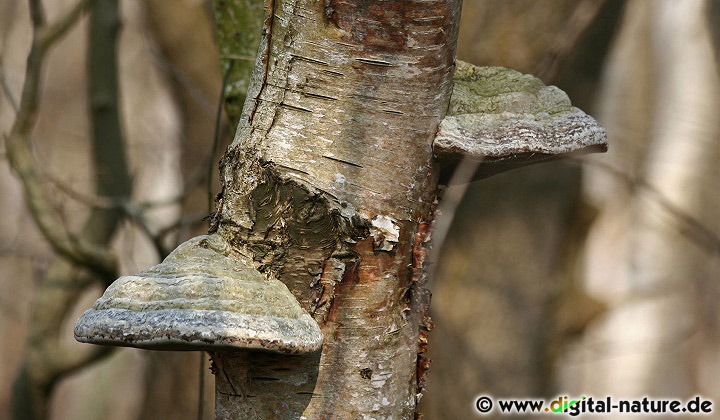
333,272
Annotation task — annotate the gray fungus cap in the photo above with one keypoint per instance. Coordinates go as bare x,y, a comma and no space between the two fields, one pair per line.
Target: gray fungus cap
201,297
508,119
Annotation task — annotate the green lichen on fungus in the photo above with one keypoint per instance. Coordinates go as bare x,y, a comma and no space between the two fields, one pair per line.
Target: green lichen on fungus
494,90
507,119
202,296
202,274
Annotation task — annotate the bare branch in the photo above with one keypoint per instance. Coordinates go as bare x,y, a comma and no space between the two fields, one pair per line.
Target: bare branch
8,92
688,226
74,359
445,214
21,159
44,215
216,137
134,212
186,221
105,203
48,358
52,32
585,13
110,203
183,79
138,218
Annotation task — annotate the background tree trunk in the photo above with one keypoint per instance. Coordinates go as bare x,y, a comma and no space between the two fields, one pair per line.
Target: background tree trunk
507,288
330,185
653,251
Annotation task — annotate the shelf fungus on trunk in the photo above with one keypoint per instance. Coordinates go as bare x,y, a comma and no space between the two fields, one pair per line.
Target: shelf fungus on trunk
507,119
203,296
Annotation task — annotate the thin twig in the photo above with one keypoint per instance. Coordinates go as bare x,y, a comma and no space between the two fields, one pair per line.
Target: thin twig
195,92
51,33
216,137
135,213
185,221
690,227
451,199
138,218
8,92
110,203
105,203
195,179
250,58
583,16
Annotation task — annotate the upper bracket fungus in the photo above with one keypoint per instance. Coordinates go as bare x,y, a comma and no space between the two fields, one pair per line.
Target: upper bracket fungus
507,119
203,296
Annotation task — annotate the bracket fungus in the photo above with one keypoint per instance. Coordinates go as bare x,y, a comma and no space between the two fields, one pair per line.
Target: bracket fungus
201,297
507,119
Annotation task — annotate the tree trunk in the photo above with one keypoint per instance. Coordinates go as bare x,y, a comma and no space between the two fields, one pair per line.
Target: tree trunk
652,252
330,185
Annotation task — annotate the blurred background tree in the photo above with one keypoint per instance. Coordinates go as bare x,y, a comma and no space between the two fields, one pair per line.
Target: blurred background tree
596,279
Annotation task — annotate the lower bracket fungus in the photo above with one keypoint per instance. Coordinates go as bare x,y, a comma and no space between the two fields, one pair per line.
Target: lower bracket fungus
203,296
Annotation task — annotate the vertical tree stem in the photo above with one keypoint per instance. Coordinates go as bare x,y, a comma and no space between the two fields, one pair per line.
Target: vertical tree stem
330,184
112,177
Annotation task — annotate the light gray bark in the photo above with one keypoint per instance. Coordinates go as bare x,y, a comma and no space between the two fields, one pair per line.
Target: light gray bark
329,184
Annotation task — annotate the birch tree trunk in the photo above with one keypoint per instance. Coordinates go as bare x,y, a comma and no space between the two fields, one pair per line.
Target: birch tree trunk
329,183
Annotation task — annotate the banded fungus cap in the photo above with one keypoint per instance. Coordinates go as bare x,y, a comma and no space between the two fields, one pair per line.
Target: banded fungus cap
507,119
201,297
